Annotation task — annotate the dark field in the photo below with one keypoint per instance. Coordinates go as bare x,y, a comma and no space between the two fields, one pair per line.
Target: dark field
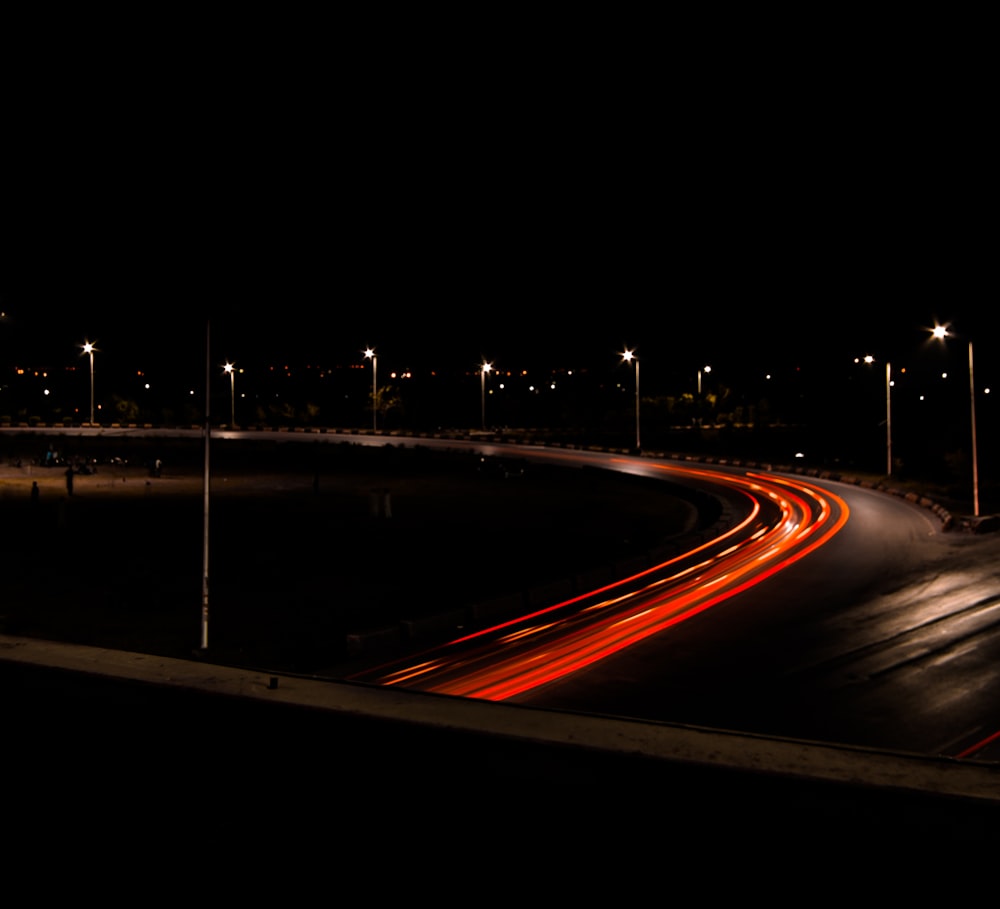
301,553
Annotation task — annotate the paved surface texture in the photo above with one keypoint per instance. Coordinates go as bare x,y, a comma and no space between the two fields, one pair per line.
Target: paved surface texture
188,720
109,709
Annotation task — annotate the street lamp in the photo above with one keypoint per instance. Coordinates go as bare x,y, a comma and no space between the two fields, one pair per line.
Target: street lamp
627,357
89,348
370,354
869,359
486,367
940,332
229,367
888,419
706,369
205,485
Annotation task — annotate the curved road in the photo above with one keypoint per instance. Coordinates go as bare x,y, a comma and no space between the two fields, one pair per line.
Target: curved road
886,635
775,522
837,614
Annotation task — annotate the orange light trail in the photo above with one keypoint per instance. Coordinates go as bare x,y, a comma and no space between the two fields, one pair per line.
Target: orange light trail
510,658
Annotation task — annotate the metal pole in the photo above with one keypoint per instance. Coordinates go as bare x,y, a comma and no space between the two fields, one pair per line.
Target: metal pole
637,445
208,432
374,393
482,395
975,463
91,387
888,419
232,398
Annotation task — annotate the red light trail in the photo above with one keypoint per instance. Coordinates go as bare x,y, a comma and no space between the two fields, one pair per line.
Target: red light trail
786,520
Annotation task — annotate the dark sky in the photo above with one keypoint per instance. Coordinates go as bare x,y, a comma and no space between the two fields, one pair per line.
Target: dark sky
549,204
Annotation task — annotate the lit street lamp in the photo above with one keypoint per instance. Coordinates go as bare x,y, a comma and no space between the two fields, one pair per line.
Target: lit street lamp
486,367
940,333
229,367
888,419
869,359
707,369
627,357
89,348
205,498
370,354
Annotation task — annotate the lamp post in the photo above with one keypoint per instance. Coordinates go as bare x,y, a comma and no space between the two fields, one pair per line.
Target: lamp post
888,419
486,367
205,488
627,357
89,349
869,359
940,332
229,367
370,354
706,369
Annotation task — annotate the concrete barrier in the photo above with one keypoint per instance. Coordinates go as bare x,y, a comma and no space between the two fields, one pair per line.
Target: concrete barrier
547,594
372,639
497,609
440,624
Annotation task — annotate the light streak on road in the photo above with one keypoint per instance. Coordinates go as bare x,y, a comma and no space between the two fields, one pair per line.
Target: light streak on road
786,520
974,750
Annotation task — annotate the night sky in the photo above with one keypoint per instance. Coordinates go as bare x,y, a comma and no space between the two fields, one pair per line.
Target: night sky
529,203
276,315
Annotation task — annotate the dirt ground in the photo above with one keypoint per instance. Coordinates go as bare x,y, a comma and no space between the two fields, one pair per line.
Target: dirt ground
303,550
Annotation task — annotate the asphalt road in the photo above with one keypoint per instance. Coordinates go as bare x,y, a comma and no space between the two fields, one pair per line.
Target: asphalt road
888,636
884,637
887,649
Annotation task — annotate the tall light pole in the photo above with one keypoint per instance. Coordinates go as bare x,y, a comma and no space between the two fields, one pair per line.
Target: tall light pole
869,359
627,357
975,461
706,369
941,332
89,348
370,354
229,367
486,367
205,488
888,419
